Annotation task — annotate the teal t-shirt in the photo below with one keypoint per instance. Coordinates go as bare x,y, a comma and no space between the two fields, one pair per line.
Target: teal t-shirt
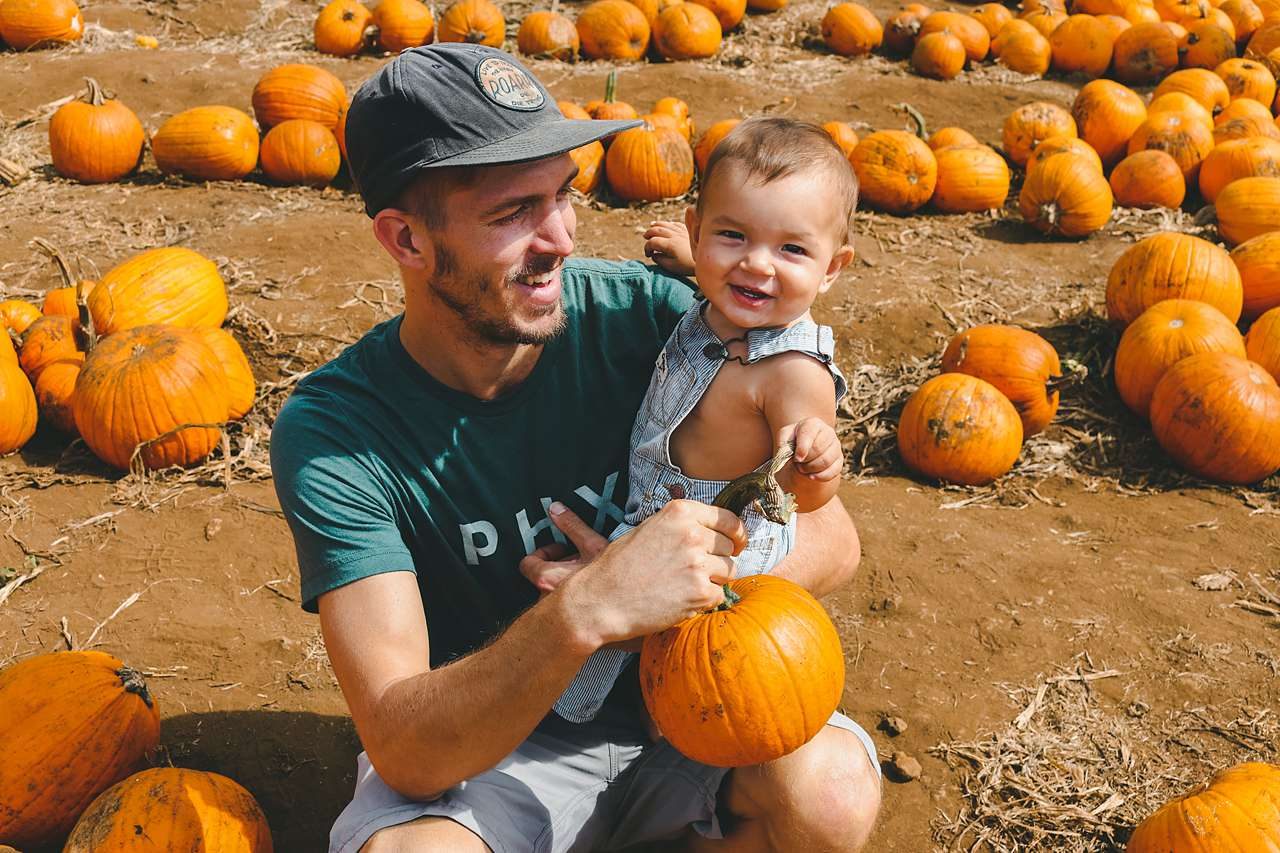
381,468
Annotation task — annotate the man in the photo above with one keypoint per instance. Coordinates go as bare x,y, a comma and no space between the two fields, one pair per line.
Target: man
449,478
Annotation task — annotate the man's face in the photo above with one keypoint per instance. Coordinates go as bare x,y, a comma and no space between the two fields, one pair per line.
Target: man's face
499,256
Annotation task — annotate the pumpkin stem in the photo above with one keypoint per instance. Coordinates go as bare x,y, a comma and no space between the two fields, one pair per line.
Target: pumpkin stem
134,683
64,269
915,115
610,87
95,95
476,36
1049,213
85,332
730,598
1074,373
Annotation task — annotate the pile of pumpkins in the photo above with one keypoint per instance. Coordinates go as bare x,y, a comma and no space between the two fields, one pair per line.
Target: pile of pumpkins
615,30
27,24
136,364
76,730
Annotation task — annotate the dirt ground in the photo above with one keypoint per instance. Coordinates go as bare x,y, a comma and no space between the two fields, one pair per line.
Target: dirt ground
1060,661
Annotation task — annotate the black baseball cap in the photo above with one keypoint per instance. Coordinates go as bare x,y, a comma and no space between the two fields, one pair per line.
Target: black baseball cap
454,104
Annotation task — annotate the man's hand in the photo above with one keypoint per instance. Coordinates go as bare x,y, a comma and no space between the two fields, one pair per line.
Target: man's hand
667,243
547,567
818,454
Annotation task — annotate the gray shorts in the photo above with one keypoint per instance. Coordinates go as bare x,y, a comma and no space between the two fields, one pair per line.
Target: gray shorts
568,787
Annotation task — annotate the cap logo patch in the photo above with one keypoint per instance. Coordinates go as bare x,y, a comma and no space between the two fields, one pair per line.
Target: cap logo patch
508,86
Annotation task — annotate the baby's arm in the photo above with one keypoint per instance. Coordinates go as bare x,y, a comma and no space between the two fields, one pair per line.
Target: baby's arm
800,405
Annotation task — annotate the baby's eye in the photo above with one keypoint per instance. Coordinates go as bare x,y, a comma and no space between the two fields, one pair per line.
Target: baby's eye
792,248
732,235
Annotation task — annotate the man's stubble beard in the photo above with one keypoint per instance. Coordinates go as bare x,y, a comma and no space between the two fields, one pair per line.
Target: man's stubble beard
495,330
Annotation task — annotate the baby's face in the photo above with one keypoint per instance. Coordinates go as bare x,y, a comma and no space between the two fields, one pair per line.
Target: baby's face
763,252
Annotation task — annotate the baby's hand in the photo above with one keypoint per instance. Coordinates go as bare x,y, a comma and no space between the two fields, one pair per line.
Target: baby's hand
818,454
667,243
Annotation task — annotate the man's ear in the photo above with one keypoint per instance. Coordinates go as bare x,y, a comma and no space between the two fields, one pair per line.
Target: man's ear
403,239
841,259
691,222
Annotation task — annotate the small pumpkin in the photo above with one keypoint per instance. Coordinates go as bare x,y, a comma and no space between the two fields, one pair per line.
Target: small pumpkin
1115,26
610,107
241,387
653,8
1206,45
1066,196
300,91
709,140
1055,145
1248,79
401,24
687,31
172,285
1082,43
298,151
939,55
728,12
570,110
1163,335
1218,416
971,178
548,35
613,29
1235,159
1184,139
1106,115
1245,128
207,143
748,682
1148,179
95,139
1258,261
843,135
1200,83
902,27
17,425
943,137
55,393
1145,53
1026,126
589,159
1023,52
16,315
25,24
959,429
174,808
53,338
1242,108
1139,12
1018,363
1045,23
1171,265
649,163
340,28
993,16
896,171
71,725
1262,344
972,34
473,22
851,30
1248,207
1184,104
1245,17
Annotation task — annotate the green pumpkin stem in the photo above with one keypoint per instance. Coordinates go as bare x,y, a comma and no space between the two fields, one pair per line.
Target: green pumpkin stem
611,87
916,116
730,598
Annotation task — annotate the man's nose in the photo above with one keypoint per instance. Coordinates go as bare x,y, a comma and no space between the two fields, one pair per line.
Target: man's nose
554,236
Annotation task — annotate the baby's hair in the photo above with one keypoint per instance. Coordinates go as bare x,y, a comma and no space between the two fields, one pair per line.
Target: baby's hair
767,148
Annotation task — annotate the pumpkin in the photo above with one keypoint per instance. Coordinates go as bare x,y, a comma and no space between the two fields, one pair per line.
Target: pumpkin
402,24
298,151
1019,364
1248,79
766,5
1145,53
172,285
1245,128
63,300
17,425
548,35
649,163
662,120
1183,104
1056,145
1200,83
993,16
95,139
687,31
1206,45
896,171
340,28
902,27
473,22
1115,26
1242,108
241,387
971,178
1262,344
1106,115
172,384
613,29
1237,809
35,23
939,55
1248,207
1245,17
1218,416
959,429
1045,23
1026,126
590,162
1137,12
55,392
173,808
1034,7
1163,335
1148,179
1023,52
7,352
749,681
299,91
842,135
570,110
1082,43
51,339
207,143
611,107
972,34
71,725
851,30
1258,261
951,136
16,315
340,132
1066,196
728,12
1184,139
1176,29
653,8
1235,159
710,139
1170,265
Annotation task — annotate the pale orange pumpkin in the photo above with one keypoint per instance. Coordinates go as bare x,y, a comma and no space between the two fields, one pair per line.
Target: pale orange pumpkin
241,387
687,31
1171,265
473,22
1200,83
1115,25
298,151
1145,53
1106,115
1026,126
896,171
548,35
649,164
1262,344
613,29
959,429
851,30
1258,260
17,420
1018,363
1238,158
298,91
95,139
401,24
1248,207
172,285
25,24
207,143
1148,179
1066,196
341,26
709,140
971,178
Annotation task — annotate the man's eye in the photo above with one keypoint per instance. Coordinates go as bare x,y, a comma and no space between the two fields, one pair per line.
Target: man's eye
792,248
512,216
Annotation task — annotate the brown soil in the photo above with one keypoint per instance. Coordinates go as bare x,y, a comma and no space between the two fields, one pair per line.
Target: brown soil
1082,561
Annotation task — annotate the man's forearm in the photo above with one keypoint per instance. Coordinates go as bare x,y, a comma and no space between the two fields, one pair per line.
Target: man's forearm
827,550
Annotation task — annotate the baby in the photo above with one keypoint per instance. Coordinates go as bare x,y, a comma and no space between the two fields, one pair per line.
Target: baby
747,371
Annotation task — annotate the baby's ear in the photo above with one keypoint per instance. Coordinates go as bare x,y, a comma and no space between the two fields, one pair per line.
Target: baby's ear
841,259
691,222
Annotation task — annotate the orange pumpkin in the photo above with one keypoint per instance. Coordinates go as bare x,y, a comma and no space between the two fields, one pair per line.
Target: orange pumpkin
649,164
993,16
1248,207
95,139
1248,79
1106,115
473,22
1145,53
51,339
1236,809
710,139
1019,364
1026,126
1066,196
1045,23
1245,128
71,725
1148,179
902,27
610,107
1163,335
548,35
590,162
959,429
851,30
62,300
842,135
1170,265
1055,145
16,315
1184,104
1082,43
972,34
1022,51
687,31
17,425
299,91
401,24
241,387
1262,344
728,12
174,809
1138,12
680,110
971,178
207,143
341,26
570,110
172,285
896,171
1258,261
951,136
1242,108
939,55
653,8
1245,17
1184,139
1200,83
613,29
1115,25
1206,45
298,151
1218,416
747,682
1235,159
55,393
26,24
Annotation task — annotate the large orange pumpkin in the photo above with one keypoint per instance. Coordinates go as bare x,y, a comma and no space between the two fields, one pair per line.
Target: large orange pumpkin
687,31
1258,260
207,143
95,139
1148,179
1218,416
340,28
1238,809
548,35
173,808
1106,115
299,91
1020,364
1171,265
474,22
748,682
1029,124
1145,53
17,424
34,23
158,391
241,387
649,163
613,29
1238,158
401,24
851,30
1066,196
72,724
1262,344
970,178
172,285
959,429
299,151
1163,335
1082,43
1248,207
896,170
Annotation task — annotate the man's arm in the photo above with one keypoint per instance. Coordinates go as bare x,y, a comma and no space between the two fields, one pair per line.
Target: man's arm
827,551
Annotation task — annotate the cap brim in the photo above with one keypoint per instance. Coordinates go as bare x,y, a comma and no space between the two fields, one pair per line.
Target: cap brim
546,140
